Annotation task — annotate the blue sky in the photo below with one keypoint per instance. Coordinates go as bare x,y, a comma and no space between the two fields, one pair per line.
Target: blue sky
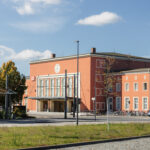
33,29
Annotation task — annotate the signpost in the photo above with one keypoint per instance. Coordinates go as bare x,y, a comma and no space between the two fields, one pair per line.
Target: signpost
94,101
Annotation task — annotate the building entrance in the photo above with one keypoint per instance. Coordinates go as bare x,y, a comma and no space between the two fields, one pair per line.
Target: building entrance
54,106
110,104
58,106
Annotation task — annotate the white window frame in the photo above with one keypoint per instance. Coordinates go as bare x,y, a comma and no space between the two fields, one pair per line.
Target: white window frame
41,91
127,89
100,63
125,103
99,76
117,103
76,86
144,104
70,86
52,84
134,103
135,89
118,87
63,87
101,104
146,86
25,92
47,88
54,76
57,87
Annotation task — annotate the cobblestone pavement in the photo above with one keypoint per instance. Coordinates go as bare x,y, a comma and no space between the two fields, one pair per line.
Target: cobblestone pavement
138,144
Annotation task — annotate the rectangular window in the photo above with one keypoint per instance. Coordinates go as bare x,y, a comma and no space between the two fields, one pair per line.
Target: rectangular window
57,87
126,86
41,88
127,103
52,88
76,85
26,92
135,86
144,86
46,87
70,87
63,87
135,103
145,103
100,63
102,106
118,87
118,103
99,78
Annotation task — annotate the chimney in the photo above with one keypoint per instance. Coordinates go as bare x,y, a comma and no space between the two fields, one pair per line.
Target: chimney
53,55
93,50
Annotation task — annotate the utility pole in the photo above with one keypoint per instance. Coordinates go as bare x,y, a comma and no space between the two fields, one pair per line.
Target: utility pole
65,112
77,100
107,114
95,96
6,98
74,99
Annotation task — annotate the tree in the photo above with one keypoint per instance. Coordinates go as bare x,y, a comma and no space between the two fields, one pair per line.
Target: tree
109,79
16,82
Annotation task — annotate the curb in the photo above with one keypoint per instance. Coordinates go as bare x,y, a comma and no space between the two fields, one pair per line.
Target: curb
84,143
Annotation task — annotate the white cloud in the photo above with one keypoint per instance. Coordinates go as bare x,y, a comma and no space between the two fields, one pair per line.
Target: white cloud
25,9
100,19
7,53
50,2
31,54
23,57
28,7
45,25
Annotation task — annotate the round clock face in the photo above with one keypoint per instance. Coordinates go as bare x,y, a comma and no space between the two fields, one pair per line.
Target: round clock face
57,68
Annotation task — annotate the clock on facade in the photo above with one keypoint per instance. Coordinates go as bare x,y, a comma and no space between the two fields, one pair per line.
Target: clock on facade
57,68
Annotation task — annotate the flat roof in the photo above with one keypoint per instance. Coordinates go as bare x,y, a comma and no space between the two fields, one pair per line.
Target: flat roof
140,70
102,54
50,98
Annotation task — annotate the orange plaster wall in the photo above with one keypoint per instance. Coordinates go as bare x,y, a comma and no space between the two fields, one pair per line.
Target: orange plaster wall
47,68
31,91
131,93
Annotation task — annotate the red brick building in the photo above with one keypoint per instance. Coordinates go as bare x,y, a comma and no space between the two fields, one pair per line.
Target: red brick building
45,90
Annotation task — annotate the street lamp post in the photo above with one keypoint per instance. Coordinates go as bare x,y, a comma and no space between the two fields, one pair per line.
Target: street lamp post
77,101
6,98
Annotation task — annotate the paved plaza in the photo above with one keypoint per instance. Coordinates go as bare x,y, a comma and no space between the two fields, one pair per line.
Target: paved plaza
136,144
57,119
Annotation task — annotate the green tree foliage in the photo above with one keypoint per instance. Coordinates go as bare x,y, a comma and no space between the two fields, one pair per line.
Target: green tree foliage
16,81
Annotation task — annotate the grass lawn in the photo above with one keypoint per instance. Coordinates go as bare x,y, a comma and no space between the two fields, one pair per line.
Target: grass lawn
22,137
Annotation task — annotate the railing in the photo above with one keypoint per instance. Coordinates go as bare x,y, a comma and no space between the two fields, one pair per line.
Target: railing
130,113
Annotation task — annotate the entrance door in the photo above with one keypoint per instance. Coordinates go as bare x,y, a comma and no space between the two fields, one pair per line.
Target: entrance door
58,106
110,104
45,105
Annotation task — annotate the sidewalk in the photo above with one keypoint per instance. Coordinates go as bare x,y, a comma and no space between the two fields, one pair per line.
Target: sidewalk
57,119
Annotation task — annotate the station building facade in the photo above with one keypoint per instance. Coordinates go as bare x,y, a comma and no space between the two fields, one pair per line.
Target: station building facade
46,83
136,90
